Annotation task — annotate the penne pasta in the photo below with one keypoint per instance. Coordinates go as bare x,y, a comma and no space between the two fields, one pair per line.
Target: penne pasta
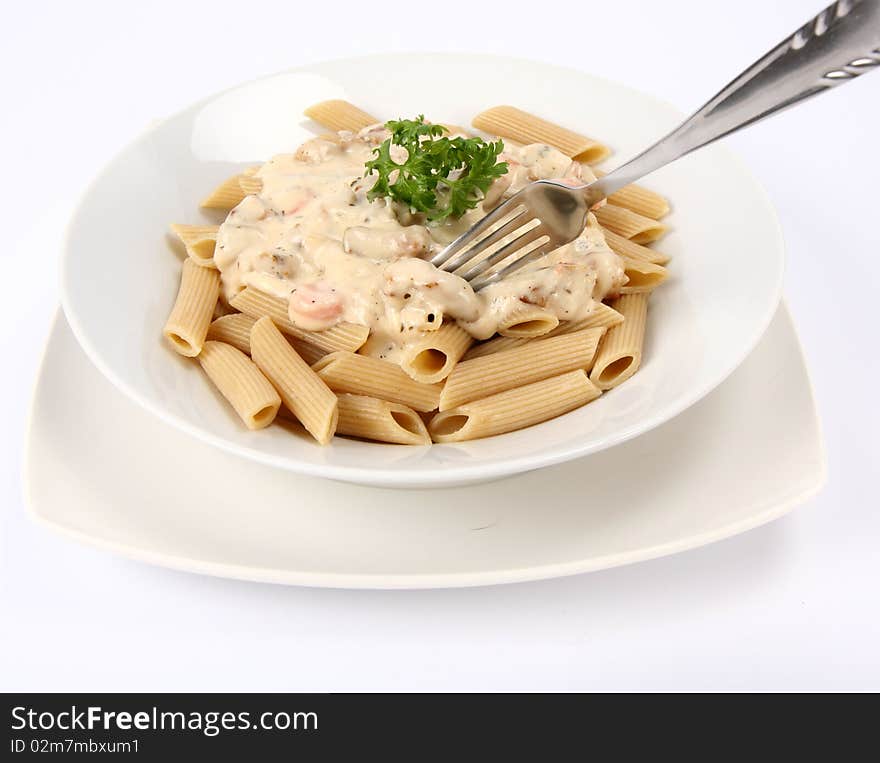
372,419
453,130
522,127
626,248
307,351
250,185
340,115
643,276
303,392
199,241
239,380
638,199
601,317
362,375
187,326
514,409
343,336
501,371
225,196
641,201
637,228
497,344
620,353
528,321
228,194
233,329
432,358
322,248
222,308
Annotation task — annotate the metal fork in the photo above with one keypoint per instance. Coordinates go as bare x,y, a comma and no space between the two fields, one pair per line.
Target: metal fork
839,44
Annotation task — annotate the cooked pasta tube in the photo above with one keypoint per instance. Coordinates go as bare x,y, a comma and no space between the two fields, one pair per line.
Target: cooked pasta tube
340,115
363,375
233,329
199,241
643,276
241,383
536,360
222,308
372,419
303,393
496,344
514,409
228,194
638,199
250,185
308,352
433,357
343,336
528,321
620,353
602,316
628,224
518,125
626,248
187,326
452,130
641,201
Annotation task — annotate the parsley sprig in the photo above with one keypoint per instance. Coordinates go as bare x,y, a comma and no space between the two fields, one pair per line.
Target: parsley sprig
441,177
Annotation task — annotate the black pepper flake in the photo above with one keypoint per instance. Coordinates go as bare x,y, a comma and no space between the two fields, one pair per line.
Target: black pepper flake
430,317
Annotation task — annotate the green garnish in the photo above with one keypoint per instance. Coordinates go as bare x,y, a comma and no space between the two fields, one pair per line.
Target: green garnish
423,180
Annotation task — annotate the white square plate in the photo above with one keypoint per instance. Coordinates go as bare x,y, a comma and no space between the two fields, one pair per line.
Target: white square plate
101,469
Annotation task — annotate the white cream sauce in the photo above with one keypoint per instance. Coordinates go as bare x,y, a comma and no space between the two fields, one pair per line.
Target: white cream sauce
311,236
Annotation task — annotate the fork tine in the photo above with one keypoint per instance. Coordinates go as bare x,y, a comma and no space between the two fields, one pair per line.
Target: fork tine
535,254
521,218
529,237
473,233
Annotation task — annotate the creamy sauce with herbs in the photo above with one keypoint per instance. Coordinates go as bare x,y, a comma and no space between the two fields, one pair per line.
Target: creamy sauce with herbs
311,236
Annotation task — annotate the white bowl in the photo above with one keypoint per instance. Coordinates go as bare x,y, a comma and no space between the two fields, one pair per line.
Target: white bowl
119,272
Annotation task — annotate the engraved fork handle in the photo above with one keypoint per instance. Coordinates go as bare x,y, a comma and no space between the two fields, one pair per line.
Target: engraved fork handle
838,45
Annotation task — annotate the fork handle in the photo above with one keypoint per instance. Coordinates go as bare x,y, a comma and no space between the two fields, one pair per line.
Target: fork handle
839,44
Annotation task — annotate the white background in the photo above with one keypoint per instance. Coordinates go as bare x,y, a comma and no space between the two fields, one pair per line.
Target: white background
793,605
